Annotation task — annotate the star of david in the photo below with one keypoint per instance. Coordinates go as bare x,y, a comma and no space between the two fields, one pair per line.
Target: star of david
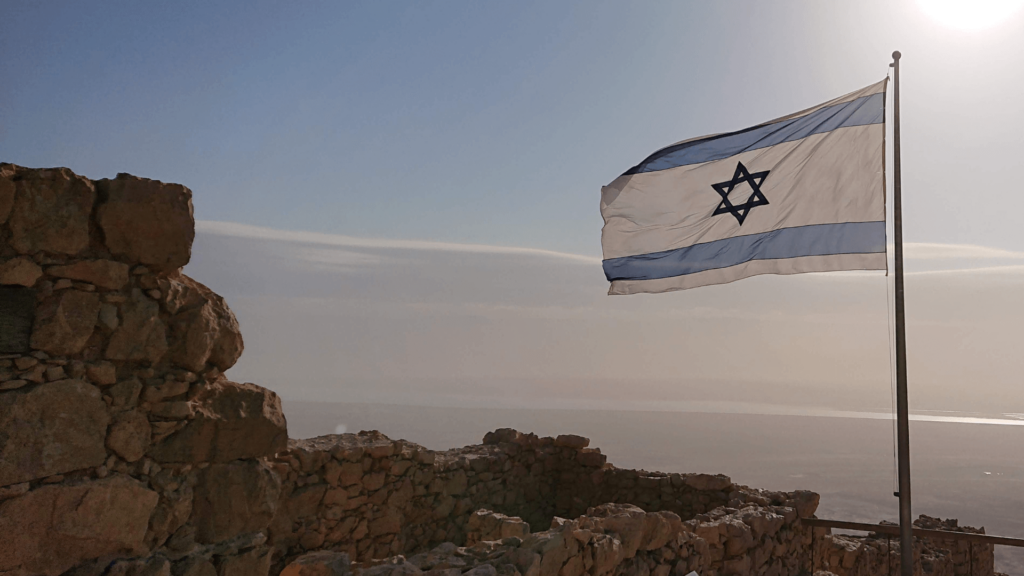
756,198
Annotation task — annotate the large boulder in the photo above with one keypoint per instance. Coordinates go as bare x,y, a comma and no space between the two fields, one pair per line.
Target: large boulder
51,210
203,328
234,498
232,421
52,528
51,429
64,322
147,221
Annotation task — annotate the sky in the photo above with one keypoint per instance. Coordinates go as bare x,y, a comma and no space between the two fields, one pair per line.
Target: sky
400,199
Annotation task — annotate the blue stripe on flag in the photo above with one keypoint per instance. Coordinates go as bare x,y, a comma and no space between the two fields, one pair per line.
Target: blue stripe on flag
860,112
813,240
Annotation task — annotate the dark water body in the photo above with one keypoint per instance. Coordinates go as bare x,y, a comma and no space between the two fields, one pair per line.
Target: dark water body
969,471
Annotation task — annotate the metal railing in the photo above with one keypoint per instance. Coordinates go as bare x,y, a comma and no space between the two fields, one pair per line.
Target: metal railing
894,530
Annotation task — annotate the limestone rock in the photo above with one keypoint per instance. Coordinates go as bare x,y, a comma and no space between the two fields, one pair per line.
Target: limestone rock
404,569
805,502
147,221
625,520
194,567
194,332
81,521
141,335
572,441
20,271
51,211
232,421
171,513
485,525
707,481
65,321
234,498
203,328
255,562
323,563
103,273
101,373
129,435
51,429
660,528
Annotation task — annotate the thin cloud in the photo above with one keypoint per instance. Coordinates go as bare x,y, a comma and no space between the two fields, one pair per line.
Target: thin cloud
933,251
259,232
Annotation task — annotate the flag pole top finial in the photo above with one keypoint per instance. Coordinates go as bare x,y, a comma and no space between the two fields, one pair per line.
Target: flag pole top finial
896,55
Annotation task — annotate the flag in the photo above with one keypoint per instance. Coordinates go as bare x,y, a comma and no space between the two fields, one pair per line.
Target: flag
803,193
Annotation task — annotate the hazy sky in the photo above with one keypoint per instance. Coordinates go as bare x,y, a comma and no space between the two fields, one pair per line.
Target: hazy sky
490,122
412,128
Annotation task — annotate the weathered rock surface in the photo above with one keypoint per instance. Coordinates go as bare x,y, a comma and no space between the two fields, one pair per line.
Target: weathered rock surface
323,563
51,211
141,335
234,498
103,273
203,328
147,221
19,272
65,321
232,421
52,528
129,435
51,429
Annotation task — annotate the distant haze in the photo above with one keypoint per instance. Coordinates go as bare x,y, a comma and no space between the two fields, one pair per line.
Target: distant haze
333,318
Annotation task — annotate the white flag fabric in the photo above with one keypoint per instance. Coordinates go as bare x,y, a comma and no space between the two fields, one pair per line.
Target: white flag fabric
803,193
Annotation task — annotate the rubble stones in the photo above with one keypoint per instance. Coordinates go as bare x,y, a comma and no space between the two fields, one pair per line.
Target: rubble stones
147,221
129,435
20,271
77,521
51,429
103,273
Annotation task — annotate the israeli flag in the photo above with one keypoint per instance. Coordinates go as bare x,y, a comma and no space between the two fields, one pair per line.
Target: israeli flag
803,193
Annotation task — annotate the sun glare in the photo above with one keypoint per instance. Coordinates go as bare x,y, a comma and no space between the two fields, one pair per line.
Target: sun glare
970,14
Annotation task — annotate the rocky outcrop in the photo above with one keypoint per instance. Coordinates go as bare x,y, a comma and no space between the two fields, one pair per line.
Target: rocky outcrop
123,449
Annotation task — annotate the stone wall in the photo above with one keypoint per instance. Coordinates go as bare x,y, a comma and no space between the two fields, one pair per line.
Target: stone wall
124,451
372,497
846,555
119,436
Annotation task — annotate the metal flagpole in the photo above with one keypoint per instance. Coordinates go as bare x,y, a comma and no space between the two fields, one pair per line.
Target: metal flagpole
902,418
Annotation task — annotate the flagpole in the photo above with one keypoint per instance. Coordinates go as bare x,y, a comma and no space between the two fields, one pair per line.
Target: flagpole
902,416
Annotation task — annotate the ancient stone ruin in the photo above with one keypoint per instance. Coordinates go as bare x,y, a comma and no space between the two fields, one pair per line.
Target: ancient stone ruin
125,451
